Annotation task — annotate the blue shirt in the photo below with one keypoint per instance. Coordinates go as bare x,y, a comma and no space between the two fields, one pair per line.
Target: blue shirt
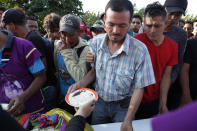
118,74
65,79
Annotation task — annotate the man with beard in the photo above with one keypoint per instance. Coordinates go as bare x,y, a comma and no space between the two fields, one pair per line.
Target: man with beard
164,55
122,68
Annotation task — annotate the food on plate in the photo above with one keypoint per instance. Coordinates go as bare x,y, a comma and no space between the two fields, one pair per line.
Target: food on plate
80,97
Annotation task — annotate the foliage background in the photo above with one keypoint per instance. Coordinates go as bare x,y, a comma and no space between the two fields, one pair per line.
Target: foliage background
40,8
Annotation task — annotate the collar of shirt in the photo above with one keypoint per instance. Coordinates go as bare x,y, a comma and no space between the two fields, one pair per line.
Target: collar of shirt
123,48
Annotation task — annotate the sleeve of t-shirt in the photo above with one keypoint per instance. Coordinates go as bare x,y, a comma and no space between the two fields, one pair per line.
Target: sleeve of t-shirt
77,123
38,66
187,55
30,53
39,43
174,57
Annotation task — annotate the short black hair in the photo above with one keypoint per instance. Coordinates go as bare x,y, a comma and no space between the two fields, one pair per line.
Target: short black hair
101,16
31,18
189,22
2,9
15,16
181,20
137,16
155,9
195,21
120,5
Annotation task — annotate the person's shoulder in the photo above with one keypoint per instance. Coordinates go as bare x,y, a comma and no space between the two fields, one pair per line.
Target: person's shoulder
83,42
140,36
56,43
137,44
192,42
33,36
170,41
179,31
98,39
23,42
100,36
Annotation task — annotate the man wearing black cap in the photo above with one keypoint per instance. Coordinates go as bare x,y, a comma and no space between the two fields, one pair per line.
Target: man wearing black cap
70,53
175,9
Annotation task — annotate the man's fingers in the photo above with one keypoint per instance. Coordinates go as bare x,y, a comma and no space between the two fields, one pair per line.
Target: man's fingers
76,109
70,88
73,87
91,103
11,104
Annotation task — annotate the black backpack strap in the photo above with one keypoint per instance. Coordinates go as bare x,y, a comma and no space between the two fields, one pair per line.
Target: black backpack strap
79,50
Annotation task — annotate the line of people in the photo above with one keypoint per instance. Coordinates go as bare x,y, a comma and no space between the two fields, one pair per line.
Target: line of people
135,75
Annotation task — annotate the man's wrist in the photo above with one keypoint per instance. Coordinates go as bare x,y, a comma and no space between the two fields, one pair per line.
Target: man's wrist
130,114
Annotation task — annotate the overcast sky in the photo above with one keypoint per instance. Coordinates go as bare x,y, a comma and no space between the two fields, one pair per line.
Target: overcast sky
99,5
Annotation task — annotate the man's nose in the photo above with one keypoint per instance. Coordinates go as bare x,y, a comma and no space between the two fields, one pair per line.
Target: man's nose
153,29
116,29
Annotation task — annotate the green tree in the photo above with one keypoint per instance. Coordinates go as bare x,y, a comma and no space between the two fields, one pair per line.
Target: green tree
40,8
90,17
140,12
189,17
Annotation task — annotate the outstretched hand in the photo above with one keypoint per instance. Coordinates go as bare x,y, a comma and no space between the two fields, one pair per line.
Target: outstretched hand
86,109
75,86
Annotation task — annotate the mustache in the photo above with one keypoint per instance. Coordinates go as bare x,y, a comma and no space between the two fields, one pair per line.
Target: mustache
115,34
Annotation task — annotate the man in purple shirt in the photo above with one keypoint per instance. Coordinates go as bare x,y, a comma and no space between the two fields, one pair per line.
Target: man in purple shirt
22,74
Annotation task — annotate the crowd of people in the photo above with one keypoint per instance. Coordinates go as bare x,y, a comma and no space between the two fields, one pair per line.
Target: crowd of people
139,67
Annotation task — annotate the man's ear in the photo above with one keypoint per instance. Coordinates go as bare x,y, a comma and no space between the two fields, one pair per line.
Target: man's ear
12,27
130,21
104,18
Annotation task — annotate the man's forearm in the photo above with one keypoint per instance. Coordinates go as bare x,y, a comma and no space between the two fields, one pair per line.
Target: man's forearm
134,103
89,78
35,86
184,79
165,85
164,88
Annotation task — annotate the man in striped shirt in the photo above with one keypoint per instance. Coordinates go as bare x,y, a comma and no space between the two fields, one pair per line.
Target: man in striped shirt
122,68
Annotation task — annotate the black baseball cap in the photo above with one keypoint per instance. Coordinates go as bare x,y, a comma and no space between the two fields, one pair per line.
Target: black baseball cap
176,6
13,15
70,24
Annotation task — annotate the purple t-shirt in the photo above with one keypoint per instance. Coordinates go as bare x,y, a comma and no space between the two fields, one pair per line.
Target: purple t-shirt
183,119
15,76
